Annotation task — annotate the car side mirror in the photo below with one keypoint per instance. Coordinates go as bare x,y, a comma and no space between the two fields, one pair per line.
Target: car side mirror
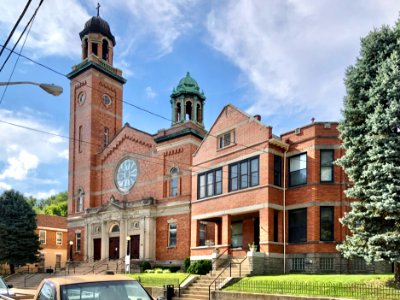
9,286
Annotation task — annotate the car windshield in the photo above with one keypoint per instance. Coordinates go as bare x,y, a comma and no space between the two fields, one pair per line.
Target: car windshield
2,284
104,290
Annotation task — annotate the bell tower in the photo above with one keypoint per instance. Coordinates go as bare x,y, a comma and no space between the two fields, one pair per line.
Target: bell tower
95,111
187,102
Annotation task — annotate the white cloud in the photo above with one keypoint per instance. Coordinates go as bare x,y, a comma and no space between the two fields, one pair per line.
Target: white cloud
150,93
43,195
64,154
19,165
164,20
294,53
24,151
4,186
55,28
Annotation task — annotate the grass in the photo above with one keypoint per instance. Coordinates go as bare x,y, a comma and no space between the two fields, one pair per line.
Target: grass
159,279
371,286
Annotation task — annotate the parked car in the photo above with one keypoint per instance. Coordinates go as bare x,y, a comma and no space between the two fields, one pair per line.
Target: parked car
5,288
91,287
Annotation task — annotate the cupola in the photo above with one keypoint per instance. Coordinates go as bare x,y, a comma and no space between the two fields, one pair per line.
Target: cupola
187,102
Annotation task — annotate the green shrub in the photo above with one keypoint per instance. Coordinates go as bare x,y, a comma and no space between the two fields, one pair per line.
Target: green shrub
186,263
158,271
200,267
150,271
145,266
166,271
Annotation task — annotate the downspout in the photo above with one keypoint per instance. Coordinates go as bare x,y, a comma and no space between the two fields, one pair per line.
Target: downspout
284,211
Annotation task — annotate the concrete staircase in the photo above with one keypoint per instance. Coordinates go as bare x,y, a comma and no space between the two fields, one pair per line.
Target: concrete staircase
32,281
199,289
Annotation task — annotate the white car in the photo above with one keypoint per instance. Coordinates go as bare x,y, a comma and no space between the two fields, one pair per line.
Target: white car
5,288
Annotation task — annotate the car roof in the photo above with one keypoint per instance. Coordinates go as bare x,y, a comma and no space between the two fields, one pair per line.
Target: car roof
65,280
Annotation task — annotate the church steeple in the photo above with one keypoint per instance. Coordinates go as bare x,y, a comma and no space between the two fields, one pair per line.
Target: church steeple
187,102
97,39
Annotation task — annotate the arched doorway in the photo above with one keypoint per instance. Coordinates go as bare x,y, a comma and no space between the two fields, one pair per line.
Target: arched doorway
113,244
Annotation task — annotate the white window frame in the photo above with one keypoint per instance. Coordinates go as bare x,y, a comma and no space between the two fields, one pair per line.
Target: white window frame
40,237
59,238
170,231
226,139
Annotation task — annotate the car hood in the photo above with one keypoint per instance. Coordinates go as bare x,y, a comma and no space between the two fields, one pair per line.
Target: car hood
6,292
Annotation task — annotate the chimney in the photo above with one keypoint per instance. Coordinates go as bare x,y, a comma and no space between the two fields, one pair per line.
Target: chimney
257,117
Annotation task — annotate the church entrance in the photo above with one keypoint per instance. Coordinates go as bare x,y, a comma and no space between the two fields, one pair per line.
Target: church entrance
96,249
135,246
113,248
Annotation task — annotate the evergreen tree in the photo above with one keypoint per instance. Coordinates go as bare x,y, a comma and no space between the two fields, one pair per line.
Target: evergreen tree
370,131
19,244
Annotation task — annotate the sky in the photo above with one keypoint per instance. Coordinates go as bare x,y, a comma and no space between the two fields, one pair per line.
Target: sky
282,59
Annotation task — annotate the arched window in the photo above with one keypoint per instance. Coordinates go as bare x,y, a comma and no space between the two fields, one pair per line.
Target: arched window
85,48
115,228
178,112
79,201
104,54
188,112
199,116
106,137
174,182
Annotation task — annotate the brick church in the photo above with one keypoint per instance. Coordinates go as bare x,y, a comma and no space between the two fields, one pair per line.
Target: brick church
185,192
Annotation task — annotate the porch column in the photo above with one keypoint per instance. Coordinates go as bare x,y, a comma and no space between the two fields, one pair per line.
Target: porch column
216,234
122,238
195,233
226,230
104,240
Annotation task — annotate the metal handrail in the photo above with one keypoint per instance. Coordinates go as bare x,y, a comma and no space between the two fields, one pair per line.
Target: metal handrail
214,281
97,264
26,277
240,265
218,257
179,285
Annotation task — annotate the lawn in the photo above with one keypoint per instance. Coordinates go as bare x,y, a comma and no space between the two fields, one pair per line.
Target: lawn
372,286
159,279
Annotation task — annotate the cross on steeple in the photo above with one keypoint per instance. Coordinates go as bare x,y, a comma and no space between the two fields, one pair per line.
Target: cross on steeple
98,9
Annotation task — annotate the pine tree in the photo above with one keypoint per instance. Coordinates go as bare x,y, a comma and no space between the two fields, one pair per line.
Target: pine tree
370,131
19,244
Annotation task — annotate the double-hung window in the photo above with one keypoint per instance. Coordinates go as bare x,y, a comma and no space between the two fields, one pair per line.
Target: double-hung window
277,170
226,139
298,169
78,242
42,236
59,236
244,174
237,234
326,165
172,235
326,223
298,225
209,183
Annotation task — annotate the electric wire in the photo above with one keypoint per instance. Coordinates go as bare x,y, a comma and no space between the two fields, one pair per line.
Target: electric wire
23,32
136,106
15,26
16,61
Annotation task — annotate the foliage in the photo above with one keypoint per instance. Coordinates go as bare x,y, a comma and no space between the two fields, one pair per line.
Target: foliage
201,267
145,265
186,263
370,131
343,286
56,205
19,242
159,279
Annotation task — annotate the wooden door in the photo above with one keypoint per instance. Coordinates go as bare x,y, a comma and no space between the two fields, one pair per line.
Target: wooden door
135,246
113,248
96,249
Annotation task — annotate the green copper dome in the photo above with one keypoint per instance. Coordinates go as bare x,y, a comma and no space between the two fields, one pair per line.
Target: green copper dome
187,85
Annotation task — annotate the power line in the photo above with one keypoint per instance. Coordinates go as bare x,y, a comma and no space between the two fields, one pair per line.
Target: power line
23,32
129,103
16,61
15,26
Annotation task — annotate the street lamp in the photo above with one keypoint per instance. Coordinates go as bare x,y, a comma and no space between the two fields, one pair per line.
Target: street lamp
55,90
128,255
71,243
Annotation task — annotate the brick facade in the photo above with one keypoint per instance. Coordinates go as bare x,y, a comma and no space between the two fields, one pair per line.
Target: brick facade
187,192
